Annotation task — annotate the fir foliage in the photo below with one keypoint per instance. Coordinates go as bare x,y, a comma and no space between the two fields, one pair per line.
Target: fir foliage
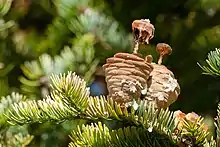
213,68
83,17
79,58
5,5
12,136
194,131
6,103
69,100
97,135
76,18
20,138
217,124
4,85
213,63
5,26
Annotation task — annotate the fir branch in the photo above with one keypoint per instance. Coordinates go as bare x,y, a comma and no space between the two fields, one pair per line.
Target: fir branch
99,135
6,103
71,89
15,136
105,29
40,111
68,99
57,32
8,135
195,131
46,65
5,6
191,131
141,114
79,58
18,140
21,139
210,143
90,135
81,17
10,99
213,64
68,9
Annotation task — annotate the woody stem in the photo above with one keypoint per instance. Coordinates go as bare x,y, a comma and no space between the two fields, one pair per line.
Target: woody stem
136,47
160,60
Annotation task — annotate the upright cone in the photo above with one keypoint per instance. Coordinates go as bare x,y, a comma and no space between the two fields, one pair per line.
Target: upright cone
126,75
163,87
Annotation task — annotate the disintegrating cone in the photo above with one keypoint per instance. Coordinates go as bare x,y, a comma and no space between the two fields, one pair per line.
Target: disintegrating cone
126,75
163,49
143,31
163,88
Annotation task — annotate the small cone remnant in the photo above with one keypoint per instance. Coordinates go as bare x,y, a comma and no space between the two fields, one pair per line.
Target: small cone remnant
143,31
126,75
192,117
188,126
163,49
163,88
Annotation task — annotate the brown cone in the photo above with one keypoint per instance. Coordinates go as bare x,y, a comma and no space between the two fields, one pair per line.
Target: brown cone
163,88
126,75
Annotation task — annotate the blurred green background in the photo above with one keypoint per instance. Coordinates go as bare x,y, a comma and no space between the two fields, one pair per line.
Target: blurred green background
40,37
